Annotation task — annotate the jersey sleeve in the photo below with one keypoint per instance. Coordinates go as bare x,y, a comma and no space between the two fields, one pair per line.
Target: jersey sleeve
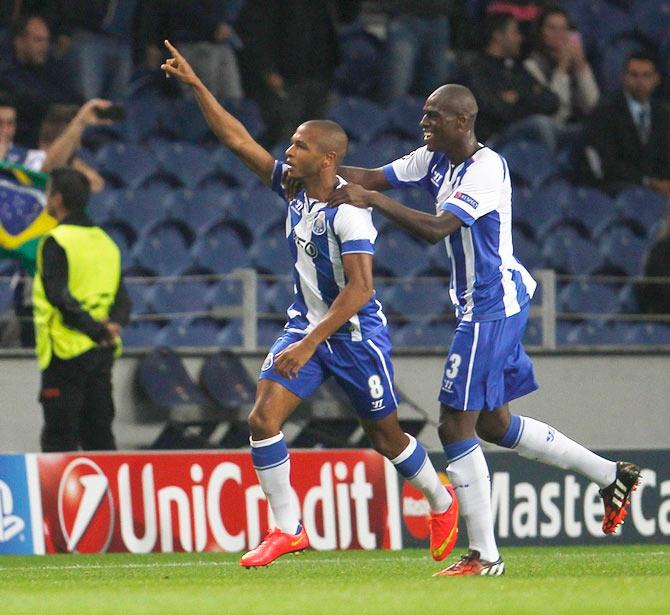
277,173
354,228
479,191
410,170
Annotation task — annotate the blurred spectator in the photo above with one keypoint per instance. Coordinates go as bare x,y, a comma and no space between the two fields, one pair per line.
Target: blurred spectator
10,151
512,104
628,138
203,31
289,57
34,78
526,13
558,61
655,298
415,56
96,38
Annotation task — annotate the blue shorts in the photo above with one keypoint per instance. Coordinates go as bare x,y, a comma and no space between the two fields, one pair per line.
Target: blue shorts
487,364
363,369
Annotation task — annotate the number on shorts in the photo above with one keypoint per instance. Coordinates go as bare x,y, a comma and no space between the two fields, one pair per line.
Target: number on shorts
452,370
376,388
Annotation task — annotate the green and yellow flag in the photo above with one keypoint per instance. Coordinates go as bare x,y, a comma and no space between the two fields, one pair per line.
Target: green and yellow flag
23,219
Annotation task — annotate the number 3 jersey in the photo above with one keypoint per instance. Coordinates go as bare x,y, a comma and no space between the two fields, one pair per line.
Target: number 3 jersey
487,281
318,237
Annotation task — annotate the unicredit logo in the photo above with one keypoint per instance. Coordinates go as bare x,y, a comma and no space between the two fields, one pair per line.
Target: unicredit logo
10,524
85,507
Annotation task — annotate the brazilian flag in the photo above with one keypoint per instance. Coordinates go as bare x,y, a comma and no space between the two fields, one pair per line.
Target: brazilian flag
23,218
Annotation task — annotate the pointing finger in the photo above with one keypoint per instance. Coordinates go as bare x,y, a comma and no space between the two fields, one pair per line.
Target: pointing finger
172,49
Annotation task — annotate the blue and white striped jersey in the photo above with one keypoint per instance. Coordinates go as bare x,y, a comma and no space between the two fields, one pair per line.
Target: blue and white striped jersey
317,238
487,281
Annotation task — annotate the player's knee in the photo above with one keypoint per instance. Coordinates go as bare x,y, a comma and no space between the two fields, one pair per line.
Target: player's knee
492,427
261,424
484,432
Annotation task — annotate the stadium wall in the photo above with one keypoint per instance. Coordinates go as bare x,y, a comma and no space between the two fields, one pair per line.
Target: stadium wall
606,401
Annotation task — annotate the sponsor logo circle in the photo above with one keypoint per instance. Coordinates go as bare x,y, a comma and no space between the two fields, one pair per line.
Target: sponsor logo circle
85,507
416,510
268,363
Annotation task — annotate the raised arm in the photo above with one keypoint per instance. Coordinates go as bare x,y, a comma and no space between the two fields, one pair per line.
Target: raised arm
229,130
432,228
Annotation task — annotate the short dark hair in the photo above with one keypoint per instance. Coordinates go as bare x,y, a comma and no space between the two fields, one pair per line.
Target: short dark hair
645,55
7,99
72,186
495,22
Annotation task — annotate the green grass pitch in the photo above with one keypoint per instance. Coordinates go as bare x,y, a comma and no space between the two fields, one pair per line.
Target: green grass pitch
601,579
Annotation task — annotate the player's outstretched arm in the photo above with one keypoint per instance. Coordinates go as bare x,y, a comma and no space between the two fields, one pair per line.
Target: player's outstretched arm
356,293
426,226
229,130
371,179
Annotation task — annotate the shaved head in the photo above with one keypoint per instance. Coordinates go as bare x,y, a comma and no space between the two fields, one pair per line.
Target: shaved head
455,99
329,137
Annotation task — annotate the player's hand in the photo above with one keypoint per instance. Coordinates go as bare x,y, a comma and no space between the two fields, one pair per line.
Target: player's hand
178,67
87,114
290,360
292,185
351,194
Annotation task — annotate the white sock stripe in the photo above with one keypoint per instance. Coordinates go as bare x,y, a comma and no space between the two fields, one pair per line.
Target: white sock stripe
471,364
409,449
386,371
267,441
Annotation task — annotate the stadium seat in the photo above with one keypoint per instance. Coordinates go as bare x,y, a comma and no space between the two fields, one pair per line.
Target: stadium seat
6,295
597,333
612,60
271,254
182,120
424,333
143,207
204,207
102,204
567,252
396,253
588,298
533,333
529,162
259,207
248,112
139,292
188,163
527,251
140,334
143,117
129,166
122,235
279,296
403,116
642,205
426,298
652,18
604,23
224,293
361,118
648,334
189,332
230,335
357,71
234,170
225,379
163,249
623,250
221,250
628,300
179,296
591,209
269,331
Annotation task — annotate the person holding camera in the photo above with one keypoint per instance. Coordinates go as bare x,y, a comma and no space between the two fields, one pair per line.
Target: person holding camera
80,305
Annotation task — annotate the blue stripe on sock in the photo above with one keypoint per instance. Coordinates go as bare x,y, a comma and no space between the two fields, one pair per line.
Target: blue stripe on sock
266,457
460,449
413,464
513,433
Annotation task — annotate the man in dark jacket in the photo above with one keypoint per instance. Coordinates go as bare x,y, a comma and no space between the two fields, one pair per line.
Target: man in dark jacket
628,138
511,102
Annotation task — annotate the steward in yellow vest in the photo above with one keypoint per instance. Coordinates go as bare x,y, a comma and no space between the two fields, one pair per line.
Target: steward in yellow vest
80,304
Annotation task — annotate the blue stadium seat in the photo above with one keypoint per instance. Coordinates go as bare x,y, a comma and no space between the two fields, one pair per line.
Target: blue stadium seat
139,292
181,295
230,335
129,166
548,206
143,207
143,117
605,23
591,209
628,300
122,235
396,253
356,74
207,206
224,293
361,118
567,252
221,250
642,205
383,150
279,296
527,251
652,18
424,333
189,332
249,113
610,64
648,334
230,167
271,254
102,204
622,249
269,331
421,297
182,120
588,298
529,162
163,249
597,333
533,333
188,163
259,208
140,334
6,295
403,117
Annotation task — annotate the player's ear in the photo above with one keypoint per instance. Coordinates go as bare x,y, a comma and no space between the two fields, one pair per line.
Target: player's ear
330,159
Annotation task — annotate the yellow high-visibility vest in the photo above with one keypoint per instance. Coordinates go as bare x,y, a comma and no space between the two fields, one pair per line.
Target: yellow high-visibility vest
94,275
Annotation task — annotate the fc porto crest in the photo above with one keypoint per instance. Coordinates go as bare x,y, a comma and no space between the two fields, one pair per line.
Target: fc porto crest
319,224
